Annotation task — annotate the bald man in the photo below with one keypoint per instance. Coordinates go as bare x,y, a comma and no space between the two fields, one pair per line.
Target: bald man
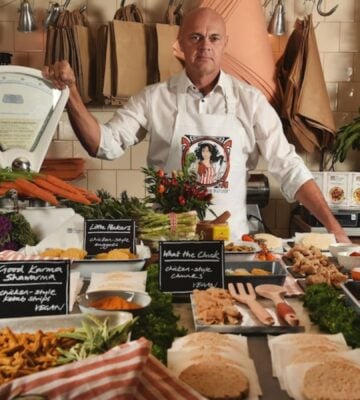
202,106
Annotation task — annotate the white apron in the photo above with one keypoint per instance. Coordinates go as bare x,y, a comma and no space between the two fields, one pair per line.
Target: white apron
224,137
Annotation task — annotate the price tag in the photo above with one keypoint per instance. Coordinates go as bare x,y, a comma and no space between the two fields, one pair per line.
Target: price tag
189,265
32,288
103,235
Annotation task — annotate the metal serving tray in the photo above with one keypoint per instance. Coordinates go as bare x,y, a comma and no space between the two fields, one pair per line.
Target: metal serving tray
277,272
351,289
54,322
87,267
250,324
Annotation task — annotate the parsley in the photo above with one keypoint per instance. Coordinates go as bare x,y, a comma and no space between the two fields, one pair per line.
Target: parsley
327,309
159,324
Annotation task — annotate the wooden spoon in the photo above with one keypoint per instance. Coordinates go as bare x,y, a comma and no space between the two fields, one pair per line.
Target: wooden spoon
283,310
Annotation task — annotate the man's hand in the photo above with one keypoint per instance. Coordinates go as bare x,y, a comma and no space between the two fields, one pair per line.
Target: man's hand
60,74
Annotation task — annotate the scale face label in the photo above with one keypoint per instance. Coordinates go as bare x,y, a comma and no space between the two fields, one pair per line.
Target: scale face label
103,235
33,288
189,265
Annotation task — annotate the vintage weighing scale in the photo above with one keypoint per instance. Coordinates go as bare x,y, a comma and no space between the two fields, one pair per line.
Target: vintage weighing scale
30,109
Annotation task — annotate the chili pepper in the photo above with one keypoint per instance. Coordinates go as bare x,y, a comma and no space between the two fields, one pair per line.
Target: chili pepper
182,200
161,189
247,238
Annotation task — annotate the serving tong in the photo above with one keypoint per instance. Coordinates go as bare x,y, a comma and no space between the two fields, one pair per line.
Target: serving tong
248,296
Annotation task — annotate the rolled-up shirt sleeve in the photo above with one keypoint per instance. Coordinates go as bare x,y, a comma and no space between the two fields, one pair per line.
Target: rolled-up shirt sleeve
124,129
287,167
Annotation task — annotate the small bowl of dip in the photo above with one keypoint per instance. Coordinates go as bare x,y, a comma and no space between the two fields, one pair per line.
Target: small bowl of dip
105,301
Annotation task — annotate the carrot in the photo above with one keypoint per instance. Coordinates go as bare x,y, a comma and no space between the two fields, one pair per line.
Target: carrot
67,186
89,195
59,182
45,184
8,185
34,191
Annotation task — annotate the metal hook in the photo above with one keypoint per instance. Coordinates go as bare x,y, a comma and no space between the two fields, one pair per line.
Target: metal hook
324,13
266,2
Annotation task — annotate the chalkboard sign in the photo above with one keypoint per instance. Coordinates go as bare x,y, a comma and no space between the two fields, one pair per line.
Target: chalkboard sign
189,265
103,235
32,288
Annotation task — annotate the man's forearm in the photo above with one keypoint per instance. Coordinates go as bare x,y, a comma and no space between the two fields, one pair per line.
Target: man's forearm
311,197
85,126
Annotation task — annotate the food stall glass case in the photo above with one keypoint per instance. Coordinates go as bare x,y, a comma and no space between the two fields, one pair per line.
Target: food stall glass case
30,109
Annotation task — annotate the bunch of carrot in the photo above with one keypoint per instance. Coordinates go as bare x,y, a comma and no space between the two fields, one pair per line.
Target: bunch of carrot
44,187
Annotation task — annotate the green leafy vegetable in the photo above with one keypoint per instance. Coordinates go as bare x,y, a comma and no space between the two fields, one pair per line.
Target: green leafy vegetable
159,324
328,310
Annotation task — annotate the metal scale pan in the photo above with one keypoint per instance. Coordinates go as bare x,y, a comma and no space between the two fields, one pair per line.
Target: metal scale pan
30,109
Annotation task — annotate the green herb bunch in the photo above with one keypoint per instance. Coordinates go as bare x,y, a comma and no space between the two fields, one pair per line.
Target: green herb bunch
159,324
348,137
329,311
178,192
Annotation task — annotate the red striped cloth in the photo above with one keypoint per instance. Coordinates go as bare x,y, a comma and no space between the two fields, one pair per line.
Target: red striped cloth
11,255
126,372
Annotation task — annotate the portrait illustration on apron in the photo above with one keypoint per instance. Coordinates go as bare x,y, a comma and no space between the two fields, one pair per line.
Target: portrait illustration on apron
209,158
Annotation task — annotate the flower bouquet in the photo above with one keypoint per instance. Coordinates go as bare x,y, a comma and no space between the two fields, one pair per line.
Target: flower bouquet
179,201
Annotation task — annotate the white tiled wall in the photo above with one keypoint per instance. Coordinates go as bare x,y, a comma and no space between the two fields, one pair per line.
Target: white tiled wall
338,38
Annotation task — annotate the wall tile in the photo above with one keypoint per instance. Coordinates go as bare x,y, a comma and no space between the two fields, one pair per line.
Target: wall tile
332,89
101,11
65,130
20,58
7,40
31,41
90,162
338,67
349,96
345,11
9,11
350,36
139,154
124,162
60,149
102,180
36,59
328,36
132,182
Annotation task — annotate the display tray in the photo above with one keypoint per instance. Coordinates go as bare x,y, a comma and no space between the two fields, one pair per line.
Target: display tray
241,247
250,324
87,267
276,270
53,322
351,290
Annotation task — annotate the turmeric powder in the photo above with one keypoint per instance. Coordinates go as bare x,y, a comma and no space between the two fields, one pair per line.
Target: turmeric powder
114,303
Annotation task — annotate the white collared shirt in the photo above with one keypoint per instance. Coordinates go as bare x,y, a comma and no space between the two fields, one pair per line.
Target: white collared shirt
154,110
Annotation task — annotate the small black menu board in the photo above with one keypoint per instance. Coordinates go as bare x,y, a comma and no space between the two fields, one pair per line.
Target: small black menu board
32,288
103,235
189,265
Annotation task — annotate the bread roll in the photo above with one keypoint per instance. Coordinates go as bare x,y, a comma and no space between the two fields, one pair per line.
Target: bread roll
334,380
218,380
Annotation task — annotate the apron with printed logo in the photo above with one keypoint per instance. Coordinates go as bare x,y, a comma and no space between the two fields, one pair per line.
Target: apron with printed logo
217,147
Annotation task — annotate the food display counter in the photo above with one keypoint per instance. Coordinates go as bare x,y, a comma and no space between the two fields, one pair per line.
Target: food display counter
258,347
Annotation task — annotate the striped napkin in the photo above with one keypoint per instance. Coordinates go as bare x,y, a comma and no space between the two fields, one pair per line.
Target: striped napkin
126,372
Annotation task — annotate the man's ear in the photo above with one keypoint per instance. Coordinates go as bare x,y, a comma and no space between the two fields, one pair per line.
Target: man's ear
226,41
